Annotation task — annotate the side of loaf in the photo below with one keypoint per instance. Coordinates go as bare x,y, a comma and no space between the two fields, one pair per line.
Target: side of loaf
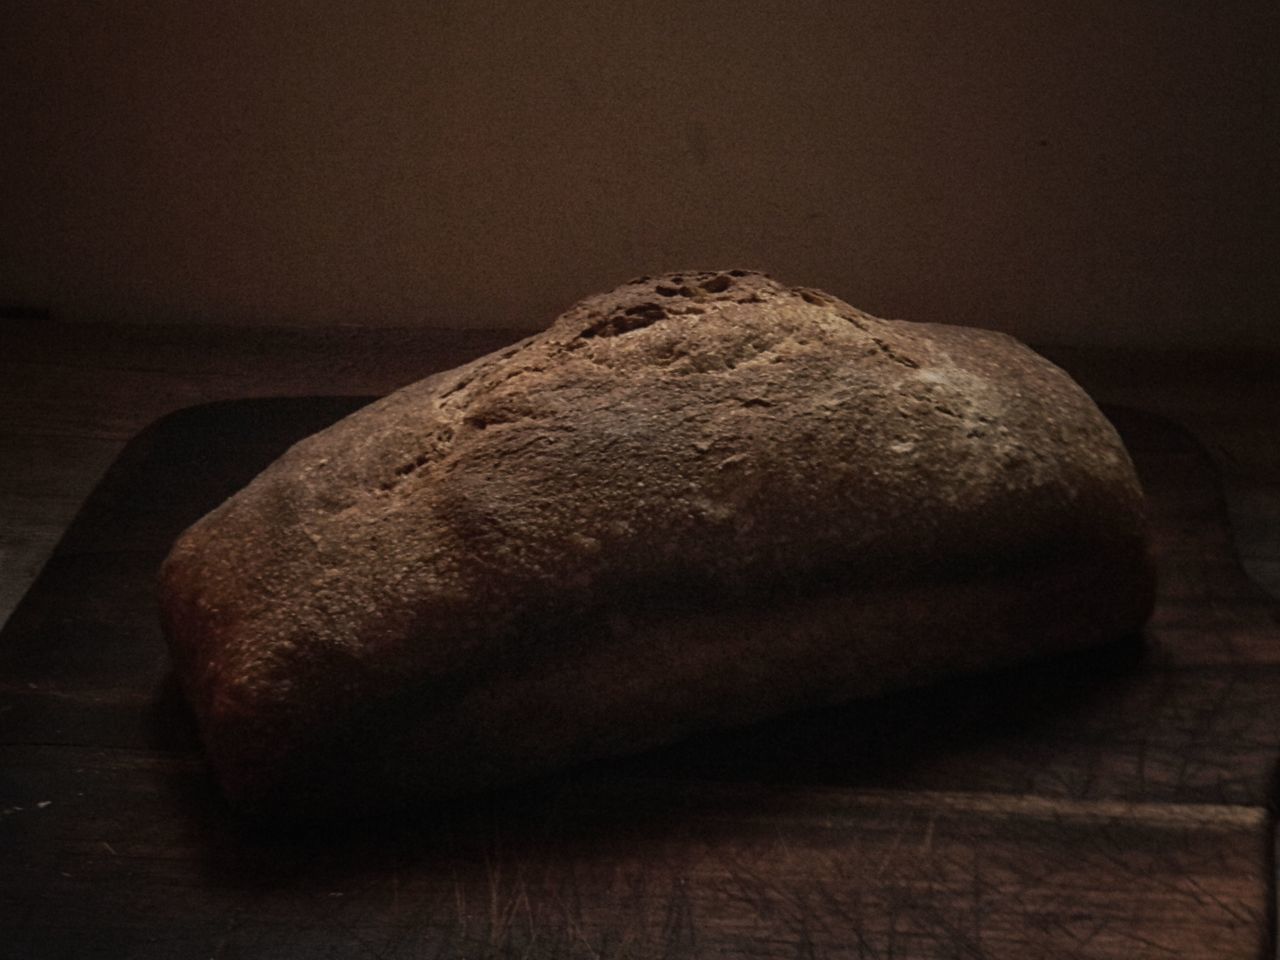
695,501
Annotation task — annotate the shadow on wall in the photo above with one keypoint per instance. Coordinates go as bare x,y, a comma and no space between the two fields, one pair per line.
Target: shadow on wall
1074,172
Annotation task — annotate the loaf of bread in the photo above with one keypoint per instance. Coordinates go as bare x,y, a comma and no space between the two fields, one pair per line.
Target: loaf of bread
699,500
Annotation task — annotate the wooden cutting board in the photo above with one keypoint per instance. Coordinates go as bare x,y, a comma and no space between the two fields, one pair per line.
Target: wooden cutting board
1110,804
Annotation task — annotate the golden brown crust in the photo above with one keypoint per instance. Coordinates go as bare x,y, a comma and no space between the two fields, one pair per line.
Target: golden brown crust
486,541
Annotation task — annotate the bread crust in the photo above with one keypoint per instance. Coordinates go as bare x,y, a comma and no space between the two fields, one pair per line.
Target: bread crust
697,500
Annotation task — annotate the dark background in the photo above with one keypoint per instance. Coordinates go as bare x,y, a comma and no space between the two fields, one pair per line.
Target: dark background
1077,172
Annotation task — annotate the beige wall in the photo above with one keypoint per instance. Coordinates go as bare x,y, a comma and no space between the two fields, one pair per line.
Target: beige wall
1068,170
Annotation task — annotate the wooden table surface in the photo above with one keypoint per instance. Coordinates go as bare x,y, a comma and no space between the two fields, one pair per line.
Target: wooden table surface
1118,805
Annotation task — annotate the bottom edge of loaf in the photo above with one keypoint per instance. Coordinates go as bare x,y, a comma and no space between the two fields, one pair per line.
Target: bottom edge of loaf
657,679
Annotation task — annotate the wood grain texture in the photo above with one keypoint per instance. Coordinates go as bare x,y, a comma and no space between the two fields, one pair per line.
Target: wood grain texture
1109,804
631,868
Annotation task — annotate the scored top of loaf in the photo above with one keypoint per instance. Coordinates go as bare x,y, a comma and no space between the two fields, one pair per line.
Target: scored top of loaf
715,434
